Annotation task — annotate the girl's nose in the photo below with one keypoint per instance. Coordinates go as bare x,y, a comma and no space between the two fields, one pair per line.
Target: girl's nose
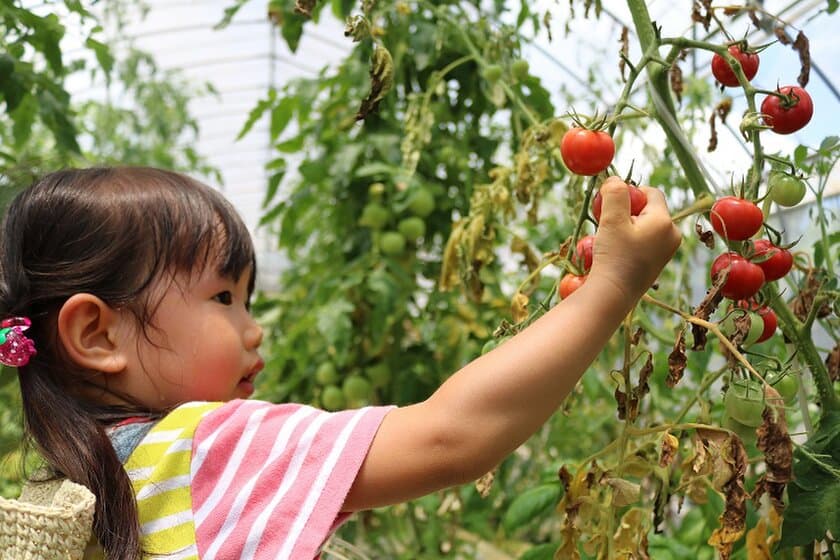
253,335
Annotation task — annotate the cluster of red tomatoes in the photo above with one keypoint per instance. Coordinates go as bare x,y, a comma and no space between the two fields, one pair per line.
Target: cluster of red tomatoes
583,250
787,110
745,272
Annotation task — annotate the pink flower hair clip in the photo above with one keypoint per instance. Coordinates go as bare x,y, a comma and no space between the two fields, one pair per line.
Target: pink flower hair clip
15,347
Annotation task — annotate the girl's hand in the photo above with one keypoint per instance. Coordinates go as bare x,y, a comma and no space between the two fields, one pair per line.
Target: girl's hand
630,251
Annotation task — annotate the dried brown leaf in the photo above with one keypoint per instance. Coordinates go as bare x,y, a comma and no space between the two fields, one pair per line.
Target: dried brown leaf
701,12
381,81
625,50
832,363
304,7
733,519
677,361
676,80
713,137
801,45
706,237
774,441
668,449
519,307
484,484
781,35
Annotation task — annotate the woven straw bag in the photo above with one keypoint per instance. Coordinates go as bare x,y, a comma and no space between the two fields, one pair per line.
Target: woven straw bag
51,520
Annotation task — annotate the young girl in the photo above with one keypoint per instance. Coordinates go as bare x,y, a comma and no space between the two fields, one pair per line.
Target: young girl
140,354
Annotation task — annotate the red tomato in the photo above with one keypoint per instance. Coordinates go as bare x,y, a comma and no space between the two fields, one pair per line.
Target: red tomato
638,201
583,252
587,152
724,73
744,279
735,218
774,261
786,116
771,322
569,283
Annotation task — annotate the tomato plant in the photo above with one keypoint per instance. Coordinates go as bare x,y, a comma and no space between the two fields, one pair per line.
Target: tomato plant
735,219
724,74
785,189
743,279
638,201
774,261
788,112
587,152
569,284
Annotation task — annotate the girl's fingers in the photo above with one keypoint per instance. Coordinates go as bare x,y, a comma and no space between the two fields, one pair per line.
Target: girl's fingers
615,197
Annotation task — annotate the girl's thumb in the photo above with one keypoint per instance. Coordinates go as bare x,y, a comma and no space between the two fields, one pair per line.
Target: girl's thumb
615,197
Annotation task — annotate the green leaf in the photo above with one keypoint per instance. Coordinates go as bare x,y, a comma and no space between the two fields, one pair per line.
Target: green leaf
273,184
531,504
540,552
281,114
821,251
103,55
230,13
815,491
24,118
262,106
800,154
291,145
832,6
335,326
54,114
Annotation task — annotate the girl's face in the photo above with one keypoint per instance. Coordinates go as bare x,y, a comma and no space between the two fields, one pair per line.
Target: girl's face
202,344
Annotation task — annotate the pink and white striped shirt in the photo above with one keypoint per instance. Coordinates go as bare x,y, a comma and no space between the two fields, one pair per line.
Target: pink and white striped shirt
247,479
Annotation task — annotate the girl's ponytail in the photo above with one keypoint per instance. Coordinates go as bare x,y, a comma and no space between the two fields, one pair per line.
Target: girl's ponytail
76,446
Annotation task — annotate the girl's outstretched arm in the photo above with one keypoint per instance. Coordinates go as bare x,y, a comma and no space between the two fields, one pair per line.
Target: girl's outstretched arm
492,405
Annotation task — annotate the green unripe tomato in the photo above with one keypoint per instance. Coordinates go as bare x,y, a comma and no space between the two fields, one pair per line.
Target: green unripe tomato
412,228
374,216
756,327
392,243
421,202
376,189
786,190
379,374
326,374
746,433
787,384
744,401
356,388
492,73
332,398
519,69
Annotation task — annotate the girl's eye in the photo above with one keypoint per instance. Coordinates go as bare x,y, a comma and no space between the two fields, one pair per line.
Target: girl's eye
225,298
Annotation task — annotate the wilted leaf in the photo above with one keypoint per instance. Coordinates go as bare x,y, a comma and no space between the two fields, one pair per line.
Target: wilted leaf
757,546
381,80
706,237
668,450
774,441
733,519
519,307
630,539
624,492
832,363
304,7
485,483
677,361
801,45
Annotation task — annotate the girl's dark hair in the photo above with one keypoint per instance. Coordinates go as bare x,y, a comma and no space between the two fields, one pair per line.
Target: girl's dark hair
110,232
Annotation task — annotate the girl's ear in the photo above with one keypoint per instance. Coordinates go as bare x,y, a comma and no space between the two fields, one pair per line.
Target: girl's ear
89,331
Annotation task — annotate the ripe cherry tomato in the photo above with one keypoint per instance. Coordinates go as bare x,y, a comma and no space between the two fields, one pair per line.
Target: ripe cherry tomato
583,252
744,401
569,283
587,152
786,116
724,73
771,322
735,218
638,201
786,190
774,261
744,279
